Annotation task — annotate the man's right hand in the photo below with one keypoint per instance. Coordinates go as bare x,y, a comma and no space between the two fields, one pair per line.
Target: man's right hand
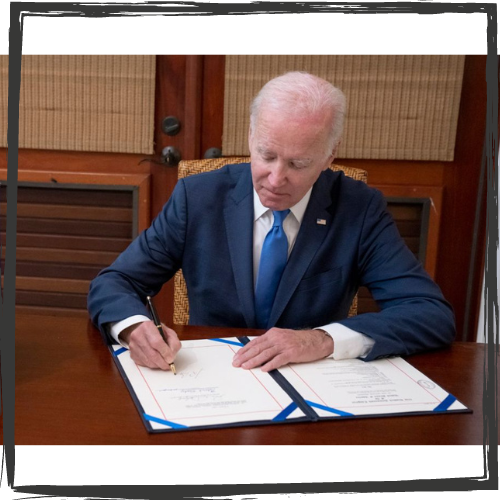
146,346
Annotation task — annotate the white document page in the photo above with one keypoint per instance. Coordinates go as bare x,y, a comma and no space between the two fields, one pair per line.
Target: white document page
355,387
207,389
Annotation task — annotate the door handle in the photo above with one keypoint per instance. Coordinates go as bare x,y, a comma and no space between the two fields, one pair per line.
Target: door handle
170,156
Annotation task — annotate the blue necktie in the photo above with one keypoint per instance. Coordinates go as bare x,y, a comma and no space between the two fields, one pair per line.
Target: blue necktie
272,263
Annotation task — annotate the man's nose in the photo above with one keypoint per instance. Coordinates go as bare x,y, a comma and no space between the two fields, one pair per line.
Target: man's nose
277,175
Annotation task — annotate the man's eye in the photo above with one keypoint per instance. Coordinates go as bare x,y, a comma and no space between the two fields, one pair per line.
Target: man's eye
268,158
297,166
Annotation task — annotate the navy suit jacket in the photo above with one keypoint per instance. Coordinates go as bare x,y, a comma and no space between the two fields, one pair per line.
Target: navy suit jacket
206,228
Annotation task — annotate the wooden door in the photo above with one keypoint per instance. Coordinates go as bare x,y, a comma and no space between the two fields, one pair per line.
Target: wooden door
188,89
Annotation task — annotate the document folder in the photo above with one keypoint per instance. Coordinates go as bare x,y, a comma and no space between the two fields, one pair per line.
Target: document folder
208,392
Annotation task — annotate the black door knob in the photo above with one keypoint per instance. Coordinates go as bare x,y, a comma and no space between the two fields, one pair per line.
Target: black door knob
171,125
212,153
170,156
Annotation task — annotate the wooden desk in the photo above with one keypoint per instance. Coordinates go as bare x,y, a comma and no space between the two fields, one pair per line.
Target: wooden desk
69,392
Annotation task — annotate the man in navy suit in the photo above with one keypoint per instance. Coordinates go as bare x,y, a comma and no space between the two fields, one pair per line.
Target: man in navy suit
338,236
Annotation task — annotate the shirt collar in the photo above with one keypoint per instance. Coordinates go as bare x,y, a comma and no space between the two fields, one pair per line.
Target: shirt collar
297,210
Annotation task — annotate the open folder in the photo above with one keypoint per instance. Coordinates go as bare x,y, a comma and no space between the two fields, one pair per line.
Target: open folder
209,392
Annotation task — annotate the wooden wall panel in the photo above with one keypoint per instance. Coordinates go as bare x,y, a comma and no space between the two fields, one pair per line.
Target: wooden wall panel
67,233
48,211
69,241
56,270
40,267
68,227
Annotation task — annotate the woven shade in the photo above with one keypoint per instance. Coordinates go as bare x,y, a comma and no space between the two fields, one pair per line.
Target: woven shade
399,107
83,103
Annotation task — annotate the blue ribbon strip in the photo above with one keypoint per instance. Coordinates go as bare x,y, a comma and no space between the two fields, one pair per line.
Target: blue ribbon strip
224,341
446,403
331,410
119,351
164,422
284,413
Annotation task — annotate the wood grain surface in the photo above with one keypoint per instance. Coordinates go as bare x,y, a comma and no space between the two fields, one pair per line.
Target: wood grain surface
69,392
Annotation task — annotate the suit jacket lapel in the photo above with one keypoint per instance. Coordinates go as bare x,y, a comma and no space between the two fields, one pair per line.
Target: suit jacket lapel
309,239
238,216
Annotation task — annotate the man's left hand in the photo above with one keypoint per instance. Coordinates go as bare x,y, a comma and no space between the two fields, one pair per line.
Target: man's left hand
278,347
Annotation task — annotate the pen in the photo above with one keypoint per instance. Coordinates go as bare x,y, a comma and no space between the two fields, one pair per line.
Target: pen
157,322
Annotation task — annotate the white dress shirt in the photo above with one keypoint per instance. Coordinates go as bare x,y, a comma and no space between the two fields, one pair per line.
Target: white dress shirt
347,343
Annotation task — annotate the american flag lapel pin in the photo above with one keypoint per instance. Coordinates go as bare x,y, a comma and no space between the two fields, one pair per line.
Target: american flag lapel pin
321,222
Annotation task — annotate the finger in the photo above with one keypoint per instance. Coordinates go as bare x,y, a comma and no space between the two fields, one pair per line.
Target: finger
277,362
150,357
166,347
172,339
140,356
261,358
252,349
150,348
243,356
158,351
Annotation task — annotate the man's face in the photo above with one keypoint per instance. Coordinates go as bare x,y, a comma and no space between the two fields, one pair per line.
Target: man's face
287,156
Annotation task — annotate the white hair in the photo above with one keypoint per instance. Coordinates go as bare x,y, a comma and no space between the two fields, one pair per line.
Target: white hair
298,92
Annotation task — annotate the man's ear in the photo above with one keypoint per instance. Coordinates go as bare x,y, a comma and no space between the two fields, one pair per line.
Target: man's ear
330,159
334,153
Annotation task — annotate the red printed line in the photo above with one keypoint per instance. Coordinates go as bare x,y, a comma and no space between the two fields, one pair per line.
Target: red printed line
152,393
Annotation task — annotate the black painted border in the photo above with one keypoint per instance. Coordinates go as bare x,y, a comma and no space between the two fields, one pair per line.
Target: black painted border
19,10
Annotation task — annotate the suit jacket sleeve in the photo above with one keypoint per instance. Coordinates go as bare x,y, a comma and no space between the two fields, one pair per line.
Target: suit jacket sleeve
414,315
119,291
